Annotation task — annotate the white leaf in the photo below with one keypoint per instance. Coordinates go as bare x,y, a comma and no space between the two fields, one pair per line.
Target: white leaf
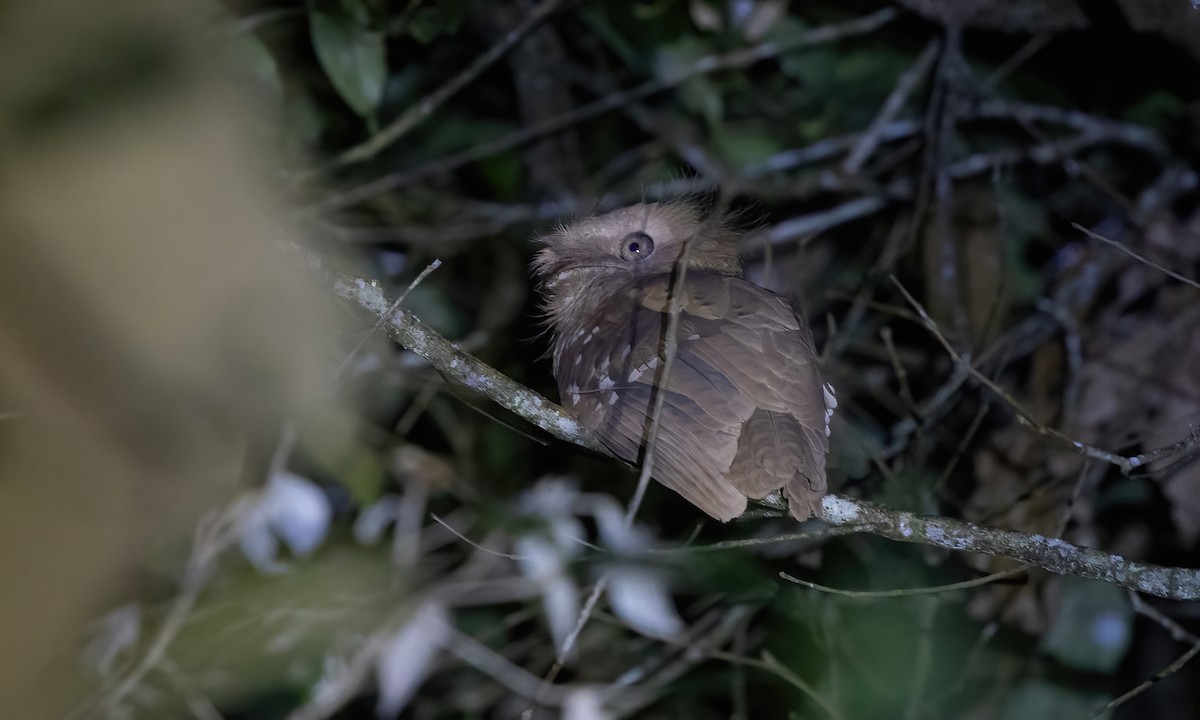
299,512
542,562
553,499
258,542
705,16
291,508
374,519
584,704
621,538
639,596
407,656
762,18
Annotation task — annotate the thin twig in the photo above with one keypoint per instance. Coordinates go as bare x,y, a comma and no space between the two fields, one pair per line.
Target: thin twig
1023,415
909,592
713,63
1050,554
395,305
427,105
1140,258
213,534
908,82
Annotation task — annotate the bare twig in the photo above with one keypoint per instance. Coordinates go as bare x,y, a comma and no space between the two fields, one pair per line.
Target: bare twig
1140,258
909,592
895,102
1125,464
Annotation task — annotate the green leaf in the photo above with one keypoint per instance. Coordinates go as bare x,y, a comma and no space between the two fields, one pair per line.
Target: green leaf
1040,700
741,148
1093,626
353,58
429,22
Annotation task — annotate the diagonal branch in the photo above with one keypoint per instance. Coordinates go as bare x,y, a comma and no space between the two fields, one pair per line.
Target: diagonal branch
1051,554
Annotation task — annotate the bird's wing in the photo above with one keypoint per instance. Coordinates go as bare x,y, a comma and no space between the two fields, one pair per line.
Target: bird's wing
754,340
741,350
607,373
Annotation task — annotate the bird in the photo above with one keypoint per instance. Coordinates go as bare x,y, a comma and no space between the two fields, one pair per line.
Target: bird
745,412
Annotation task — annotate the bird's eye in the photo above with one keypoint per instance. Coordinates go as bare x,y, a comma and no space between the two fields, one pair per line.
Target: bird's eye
637,246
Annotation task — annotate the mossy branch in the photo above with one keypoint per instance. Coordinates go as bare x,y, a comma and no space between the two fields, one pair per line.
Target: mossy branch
1051,554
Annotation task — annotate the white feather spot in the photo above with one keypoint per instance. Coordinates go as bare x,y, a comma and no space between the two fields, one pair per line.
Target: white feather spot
694,336
635,374
830,397
625,352
612,399
606,383
578,358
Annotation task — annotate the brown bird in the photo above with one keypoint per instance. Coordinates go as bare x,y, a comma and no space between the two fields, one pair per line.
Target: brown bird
745,412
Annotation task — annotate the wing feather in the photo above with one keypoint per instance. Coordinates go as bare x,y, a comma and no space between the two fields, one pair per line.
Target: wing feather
743,409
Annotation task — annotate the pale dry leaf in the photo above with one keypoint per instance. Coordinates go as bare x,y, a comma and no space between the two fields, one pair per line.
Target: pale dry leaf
542,561
373,521
407,657
640,597
763,16
584,703
705,16
292,509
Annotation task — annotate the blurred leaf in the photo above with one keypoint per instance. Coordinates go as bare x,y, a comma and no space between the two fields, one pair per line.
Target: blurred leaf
430,21
1023,220
762,18
1040,700
701,96
911,488
407,657
293,509
616,41
361,471
303,124
1093,626
639,596
269,633
353,58
705,16
373,521
584,704
1156,109
504,172
740,148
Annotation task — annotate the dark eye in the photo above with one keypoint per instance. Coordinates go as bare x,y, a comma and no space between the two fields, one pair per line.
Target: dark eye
637,246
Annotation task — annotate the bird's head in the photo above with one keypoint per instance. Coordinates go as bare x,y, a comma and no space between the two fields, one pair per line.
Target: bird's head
594,255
